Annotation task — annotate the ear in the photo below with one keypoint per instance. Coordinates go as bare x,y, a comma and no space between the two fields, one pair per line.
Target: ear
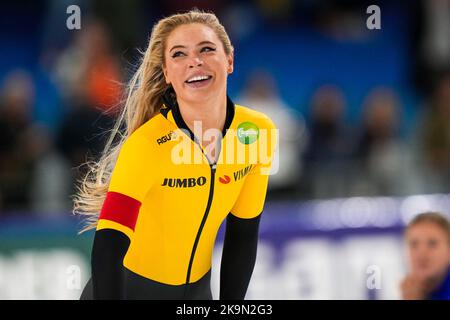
230,59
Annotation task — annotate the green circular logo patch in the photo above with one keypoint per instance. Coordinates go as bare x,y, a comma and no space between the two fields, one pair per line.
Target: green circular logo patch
247,132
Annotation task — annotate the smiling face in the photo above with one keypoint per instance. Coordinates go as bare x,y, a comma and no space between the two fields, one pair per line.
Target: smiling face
195,63
429,249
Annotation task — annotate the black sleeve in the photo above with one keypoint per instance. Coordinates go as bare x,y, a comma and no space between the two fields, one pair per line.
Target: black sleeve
238,256
109,249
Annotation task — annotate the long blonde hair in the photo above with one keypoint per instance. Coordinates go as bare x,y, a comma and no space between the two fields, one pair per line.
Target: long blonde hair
143,101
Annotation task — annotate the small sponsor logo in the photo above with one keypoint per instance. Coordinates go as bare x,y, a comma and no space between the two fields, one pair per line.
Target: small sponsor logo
225,179
166,138
238,175
183,183
247,132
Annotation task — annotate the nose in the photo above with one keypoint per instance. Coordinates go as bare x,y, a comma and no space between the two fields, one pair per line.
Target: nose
195,62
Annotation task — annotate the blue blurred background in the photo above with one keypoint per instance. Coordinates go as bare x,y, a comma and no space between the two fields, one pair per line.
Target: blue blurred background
364,118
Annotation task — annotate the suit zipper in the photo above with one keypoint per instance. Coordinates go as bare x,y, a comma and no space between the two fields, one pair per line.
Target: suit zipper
200,229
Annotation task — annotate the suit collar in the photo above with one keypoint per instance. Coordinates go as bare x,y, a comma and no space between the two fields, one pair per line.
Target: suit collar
171,111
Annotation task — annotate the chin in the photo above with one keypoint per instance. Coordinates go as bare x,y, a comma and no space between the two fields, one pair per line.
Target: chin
199,96
426,273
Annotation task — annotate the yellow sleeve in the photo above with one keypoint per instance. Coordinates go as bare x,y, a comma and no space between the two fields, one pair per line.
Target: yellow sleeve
132,178
134,172
251,199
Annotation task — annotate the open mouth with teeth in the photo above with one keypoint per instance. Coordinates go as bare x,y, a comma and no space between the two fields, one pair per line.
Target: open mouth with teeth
198,81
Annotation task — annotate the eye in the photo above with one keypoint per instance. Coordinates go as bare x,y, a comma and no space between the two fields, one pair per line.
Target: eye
413,244
207,49
432,243
177,54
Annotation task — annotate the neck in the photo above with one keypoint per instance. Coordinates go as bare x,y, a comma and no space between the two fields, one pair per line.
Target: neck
211,113
435,282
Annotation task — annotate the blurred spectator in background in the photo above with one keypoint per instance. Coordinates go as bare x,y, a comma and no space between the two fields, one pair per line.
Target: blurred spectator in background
436,139
82,133
276,12
90,62
172,6
340,19
90,77
433,41
261,93
428,244
379,151
103,72
328,146
51,181
18,141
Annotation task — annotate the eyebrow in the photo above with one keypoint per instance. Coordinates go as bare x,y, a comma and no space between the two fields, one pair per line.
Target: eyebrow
199,44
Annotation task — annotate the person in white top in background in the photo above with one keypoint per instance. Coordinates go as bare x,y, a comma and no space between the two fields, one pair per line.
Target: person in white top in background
261,93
